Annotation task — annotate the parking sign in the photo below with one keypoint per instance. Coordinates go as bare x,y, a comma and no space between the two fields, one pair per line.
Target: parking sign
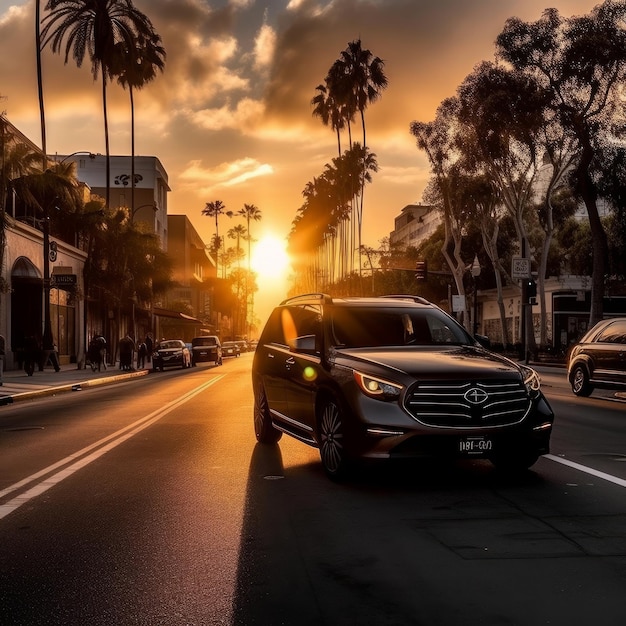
520,268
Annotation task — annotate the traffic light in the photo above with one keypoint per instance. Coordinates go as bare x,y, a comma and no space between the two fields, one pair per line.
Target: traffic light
530,291
421,270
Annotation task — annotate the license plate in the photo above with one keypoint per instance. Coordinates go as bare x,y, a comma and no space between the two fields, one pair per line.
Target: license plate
475,446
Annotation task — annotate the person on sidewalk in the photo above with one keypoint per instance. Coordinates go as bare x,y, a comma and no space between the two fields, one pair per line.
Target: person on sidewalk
2,351
32,350
49,353
127,348
142,353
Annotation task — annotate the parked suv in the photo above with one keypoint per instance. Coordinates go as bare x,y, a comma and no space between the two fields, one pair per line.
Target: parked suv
392,377
206,349
599,358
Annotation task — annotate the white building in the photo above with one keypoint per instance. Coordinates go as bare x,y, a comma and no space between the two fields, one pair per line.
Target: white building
414,225
151,186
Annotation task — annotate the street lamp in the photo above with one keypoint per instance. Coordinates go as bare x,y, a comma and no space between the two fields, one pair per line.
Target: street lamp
475,271
91,155
47,339
152,205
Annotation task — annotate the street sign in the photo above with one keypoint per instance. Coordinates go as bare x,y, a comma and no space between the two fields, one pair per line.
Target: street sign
63,279
520,268
458,303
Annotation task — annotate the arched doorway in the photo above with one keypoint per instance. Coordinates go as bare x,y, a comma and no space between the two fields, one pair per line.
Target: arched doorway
26,304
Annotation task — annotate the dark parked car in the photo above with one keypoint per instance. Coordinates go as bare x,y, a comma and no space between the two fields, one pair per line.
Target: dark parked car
231,348
394,377
206,349
599,358
171,353
243,345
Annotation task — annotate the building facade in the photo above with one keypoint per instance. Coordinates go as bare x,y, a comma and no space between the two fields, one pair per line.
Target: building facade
146,203
415,224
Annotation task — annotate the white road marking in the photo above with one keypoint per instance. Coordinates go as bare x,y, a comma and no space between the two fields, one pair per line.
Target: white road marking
83,458
587,470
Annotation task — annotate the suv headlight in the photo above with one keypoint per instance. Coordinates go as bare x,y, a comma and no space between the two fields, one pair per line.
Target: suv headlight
532,381
377,387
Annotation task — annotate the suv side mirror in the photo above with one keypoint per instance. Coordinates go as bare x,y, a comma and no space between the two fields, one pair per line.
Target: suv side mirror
483,340
304,344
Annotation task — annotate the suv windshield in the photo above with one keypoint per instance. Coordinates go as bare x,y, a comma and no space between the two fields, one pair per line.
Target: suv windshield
360,327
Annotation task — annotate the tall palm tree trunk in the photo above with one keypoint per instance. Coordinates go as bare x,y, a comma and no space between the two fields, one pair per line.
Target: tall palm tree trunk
106,140
42,115
132,150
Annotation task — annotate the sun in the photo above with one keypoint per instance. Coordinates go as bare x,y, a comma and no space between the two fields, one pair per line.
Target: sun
270,259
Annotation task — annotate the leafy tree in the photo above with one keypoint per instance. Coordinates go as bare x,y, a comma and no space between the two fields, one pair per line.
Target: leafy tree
438,139
581,63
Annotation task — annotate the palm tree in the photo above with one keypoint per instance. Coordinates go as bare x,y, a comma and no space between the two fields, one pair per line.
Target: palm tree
95,27
137,67
215,209
326,107
359,78
362,78
249,212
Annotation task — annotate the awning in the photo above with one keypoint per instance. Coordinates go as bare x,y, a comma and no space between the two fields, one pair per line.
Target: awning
175,315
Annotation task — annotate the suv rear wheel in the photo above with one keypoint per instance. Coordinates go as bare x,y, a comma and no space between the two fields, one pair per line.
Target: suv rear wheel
580,382
263,428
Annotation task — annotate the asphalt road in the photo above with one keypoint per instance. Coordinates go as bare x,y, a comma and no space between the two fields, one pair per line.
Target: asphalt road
149,503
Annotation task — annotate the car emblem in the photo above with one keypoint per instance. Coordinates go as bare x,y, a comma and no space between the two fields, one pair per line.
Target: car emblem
476,395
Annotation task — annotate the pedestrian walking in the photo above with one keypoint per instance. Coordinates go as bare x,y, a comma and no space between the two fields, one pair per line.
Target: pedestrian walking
142,353
31,354
149,346
97,352
2,351
127,348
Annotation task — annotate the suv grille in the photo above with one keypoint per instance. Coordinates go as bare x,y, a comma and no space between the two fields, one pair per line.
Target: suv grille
456,404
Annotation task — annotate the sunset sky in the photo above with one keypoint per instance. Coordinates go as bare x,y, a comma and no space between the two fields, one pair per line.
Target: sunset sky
230,118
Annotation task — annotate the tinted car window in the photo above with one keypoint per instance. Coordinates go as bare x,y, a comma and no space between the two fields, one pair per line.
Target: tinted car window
287,323
614,333
170,344
364,327
204,341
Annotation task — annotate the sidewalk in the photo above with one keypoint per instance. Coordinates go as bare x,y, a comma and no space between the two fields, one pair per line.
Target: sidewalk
18,386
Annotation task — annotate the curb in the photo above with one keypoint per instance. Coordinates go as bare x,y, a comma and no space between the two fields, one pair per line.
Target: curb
52,391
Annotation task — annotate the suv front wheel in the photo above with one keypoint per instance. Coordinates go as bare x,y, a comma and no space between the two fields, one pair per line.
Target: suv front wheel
331,440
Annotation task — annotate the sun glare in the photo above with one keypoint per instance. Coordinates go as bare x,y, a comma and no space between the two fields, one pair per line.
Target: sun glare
270,259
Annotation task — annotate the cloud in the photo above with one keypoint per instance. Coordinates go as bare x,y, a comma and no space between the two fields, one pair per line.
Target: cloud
264,46
207,180
236,92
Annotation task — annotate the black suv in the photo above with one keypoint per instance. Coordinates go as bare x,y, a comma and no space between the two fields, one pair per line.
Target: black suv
375,378
599,358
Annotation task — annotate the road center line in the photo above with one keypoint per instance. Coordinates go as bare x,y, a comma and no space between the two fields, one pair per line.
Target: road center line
587,470
82,458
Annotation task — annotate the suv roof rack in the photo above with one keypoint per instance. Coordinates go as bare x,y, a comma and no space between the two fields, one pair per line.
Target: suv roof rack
307,297
405,296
